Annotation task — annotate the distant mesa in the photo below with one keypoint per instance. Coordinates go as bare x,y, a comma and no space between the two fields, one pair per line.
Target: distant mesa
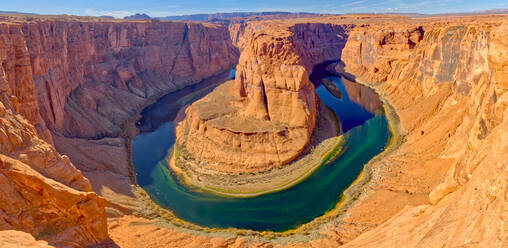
15,12
209,17
107,17
137,16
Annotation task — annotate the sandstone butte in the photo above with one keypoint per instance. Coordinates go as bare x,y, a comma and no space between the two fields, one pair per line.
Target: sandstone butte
266,117
74,85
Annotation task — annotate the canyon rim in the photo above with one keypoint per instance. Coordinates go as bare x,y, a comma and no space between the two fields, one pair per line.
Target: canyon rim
75,91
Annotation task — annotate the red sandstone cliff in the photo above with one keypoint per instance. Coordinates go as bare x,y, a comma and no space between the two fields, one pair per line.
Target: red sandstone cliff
82,79
444,187
267,116
91,76
42,192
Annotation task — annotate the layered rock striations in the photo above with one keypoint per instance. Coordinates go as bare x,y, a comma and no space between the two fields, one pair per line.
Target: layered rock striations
446,79
47,209
247,122
81,79
91,76
16,80
374,53
42,192
265,118
451,100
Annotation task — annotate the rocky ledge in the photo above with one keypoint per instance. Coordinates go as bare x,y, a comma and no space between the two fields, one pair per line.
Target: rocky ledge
446,78
234,179
266,117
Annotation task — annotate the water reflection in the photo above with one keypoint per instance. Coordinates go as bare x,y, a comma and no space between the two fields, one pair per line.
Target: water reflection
366,134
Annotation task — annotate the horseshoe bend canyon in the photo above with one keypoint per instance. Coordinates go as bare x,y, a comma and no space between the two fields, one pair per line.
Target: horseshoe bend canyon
254,130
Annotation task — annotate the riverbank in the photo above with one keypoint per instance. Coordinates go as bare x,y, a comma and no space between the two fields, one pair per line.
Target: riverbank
299,233
132,198
325,145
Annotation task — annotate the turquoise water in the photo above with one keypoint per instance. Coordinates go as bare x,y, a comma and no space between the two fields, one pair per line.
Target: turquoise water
366,135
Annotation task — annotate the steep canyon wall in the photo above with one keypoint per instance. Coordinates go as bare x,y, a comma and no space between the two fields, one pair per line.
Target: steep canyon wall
80,80
444,186
445,82
271,114
91,76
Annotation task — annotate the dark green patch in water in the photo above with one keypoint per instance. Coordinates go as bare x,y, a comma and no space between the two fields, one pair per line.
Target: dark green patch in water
366,135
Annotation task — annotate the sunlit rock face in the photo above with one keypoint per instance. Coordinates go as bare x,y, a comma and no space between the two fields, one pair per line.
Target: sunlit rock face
91,76
82,78
266,117
12,238
16,77
446,79
42,192
451,99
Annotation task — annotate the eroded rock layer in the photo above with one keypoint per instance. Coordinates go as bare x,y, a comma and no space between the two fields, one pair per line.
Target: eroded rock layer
266,117
446,78
80,79
42,192
445,186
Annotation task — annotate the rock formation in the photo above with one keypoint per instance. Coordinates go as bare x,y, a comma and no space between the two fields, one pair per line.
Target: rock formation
267,116
14,239
91,76
18,89
82,78
255,134
446,184
42,192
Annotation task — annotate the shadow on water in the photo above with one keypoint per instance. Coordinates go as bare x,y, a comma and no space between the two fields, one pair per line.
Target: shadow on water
166,108
366,134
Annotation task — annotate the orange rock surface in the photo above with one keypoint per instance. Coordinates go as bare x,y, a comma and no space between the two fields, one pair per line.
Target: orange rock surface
15,239
246,118
42,192
445,186
446,78
267,116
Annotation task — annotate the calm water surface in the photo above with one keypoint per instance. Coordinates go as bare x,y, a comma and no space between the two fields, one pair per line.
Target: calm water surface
366,135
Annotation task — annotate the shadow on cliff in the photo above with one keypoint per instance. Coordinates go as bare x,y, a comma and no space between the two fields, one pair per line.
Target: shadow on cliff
108,243
327,68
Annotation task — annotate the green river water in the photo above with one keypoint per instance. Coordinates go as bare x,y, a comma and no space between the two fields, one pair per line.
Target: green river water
366,135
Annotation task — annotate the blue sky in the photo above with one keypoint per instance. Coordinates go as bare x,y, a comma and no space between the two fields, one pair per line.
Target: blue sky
120,8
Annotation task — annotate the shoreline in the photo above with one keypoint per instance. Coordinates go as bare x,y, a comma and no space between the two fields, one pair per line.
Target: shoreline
360,184
130,131
304,232
274,180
